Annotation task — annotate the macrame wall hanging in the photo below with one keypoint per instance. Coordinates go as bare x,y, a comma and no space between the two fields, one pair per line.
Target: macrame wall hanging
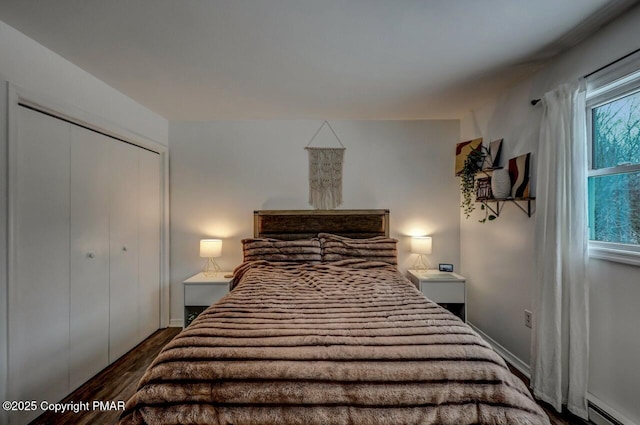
325,173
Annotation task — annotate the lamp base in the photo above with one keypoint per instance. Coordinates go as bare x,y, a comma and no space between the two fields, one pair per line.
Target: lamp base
421,263
211,268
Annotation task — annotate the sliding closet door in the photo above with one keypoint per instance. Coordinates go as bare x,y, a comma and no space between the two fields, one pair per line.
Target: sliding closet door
89,319
123,212
149,232
39,280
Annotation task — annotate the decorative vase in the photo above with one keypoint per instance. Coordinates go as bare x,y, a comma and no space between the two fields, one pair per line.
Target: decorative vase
501,184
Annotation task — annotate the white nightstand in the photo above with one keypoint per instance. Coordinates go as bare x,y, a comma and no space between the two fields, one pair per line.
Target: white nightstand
445,288
201,291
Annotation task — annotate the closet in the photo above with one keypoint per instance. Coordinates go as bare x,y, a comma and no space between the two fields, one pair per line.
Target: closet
84,286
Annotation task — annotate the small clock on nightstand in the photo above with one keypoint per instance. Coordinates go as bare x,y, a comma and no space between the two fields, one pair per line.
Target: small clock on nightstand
448,289
202,290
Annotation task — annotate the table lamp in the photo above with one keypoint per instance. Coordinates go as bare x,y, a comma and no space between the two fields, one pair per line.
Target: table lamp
211,249
422,246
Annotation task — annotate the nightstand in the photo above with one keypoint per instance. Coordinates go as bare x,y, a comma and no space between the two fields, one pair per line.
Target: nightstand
201,291
447,289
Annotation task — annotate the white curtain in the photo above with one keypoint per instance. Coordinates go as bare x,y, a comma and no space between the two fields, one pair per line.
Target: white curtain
560,346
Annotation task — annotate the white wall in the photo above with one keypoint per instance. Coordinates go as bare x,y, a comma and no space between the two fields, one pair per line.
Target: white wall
222,171
31,66
498,257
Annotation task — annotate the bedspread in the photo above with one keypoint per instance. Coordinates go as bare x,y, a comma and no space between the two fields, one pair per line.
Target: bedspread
351,342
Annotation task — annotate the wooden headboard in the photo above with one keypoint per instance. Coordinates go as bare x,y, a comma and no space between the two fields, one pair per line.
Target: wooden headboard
304,224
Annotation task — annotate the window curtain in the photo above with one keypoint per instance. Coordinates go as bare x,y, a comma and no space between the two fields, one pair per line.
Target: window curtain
560,345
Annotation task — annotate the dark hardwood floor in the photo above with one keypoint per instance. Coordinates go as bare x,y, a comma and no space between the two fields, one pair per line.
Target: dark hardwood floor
116,382
566,418
119,380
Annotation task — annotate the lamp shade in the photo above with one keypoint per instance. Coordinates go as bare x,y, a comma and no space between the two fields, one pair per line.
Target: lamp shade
421,245
211,248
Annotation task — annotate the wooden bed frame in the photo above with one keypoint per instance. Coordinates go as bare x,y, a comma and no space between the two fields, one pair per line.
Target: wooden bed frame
305,224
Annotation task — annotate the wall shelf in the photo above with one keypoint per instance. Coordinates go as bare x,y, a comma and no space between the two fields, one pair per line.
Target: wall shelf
487,172
523,203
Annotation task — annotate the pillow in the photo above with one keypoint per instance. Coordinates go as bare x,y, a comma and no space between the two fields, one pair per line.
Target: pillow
275,250
380,248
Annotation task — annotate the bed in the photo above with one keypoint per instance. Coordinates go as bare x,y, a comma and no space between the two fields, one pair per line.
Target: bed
321,328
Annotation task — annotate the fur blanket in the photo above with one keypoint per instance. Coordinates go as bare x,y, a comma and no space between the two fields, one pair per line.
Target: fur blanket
351,342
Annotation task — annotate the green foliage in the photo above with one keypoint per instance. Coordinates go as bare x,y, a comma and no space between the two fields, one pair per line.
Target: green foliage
616,127
472,165
487,216
614,200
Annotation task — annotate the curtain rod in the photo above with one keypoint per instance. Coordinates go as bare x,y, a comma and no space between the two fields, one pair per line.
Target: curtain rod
535,101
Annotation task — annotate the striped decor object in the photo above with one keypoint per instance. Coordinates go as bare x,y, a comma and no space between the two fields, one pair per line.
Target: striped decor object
337,248
463,150
519,168
275,250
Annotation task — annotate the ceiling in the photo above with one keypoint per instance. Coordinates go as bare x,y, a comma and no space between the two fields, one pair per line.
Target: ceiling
201,60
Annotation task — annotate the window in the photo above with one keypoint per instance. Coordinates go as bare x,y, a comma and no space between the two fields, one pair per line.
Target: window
613,115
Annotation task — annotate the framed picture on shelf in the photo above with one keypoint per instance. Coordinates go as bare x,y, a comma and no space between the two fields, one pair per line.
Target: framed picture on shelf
492,160
463,150
519,169
483,188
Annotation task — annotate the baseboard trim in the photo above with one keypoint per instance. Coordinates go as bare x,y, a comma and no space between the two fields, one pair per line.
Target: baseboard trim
599,411
506,354
176,323
606,412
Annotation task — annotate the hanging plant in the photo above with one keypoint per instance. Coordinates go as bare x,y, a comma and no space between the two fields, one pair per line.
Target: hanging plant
487,216
472,164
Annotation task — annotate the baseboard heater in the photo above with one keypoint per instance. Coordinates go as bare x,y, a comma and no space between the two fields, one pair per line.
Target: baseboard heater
598,416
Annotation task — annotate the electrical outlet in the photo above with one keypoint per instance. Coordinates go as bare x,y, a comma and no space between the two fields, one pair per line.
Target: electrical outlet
527,318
